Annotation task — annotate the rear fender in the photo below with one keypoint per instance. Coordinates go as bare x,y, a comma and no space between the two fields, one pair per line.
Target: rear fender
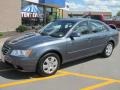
113,26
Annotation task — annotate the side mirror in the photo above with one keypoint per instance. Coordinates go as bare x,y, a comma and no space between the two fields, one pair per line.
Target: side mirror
75,34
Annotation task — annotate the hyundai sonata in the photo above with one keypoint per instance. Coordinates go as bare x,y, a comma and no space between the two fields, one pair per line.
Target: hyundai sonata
59,42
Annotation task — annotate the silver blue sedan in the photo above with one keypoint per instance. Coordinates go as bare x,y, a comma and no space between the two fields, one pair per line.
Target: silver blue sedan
59,42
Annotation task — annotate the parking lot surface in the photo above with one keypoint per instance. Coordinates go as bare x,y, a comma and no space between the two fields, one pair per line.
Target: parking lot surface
92,73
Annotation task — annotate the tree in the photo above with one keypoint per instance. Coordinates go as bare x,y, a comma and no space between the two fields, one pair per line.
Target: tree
118,14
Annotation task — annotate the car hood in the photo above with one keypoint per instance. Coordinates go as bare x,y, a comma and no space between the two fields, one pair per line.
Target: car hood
28,40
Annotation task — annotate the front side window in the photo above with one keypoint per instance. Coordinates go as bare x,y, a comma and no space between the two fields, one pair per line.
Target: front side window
97,27
58,28
82,28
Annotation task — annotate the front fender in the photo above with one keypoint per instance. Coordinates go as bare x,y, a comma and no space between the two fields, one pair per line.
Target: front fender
59,46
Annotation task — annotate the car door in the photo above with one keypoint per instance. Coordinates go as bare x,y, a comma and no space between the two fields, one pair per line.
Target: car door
78,47
99,33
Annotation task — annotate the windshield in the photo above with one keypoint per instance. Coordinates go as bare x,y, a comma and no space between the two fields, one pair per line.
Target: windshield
58,28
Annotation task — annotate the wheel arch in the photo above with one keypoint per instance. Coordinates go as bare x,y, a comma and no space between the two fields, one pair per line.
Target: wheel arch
113,42
56,52
113,26
51,51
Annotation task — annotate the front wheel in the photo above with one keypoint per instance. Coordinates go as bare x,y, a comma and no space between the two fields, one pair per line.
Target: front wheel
48,64
108,50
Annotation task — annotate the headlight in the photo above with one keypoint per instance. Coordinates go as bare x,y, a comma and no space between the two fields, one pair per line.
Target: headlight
25,53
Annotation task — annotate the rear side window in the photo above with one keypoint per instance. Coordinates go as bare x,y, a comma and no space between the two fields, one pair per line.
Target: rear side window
97,27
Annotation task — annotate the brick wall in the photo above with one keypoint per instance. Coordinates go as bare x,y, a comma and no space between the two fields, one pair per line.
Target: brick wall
10,16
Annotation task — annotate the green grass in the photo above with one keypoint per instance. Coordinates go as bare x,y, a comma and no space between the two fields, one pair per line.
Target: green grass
1,34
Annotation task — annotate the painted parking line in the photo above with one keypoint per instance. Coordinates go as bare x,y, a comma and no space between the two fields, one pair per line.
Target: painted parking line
107,81
90,76
31,80
96,86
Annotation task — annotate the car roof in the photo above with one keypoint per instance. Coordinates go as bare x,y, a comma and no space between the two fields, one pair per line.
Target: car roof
78,19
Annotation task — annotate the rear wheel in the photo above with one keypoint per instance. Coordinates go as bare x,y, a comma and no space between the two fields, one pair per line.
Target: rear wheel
48,64
108,50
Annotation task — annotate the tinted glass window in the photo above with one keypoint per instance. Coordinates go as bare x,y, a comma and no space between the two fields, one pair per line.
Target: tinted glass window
97,27
97,17
82,28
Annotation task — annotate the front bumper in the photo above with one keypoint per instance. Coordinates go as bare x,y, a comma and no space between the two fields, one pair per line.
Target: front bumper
23,64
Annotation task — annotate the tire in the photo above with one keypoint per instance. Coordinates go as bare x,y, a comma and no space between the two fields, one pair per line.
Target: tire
48,64
108,50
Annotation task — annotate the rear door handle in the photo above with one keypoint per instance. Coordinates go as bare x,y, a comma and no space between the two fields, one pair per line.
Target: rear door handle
89,38
101,37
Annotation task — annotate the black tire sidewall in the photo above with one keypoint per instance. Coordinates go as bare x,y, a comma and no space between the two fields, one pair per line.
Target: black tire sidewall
40,70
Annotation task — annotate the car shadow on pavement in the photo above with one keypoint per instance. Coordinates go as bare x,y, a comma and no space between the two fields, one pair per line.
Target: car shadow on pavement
17,75
8,72
80,61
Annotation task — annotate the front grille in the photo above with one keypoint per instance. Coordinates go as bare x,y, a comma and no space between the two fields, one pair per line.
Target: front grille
6,50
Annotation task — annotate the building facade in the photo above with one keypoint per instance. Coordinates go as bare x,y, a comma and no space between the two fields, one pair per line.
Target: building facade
46,8
10,11
10,17
78,14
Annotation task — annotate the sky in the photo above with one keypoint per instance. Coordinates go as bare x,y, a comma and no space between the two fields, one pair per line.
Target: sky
94,5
